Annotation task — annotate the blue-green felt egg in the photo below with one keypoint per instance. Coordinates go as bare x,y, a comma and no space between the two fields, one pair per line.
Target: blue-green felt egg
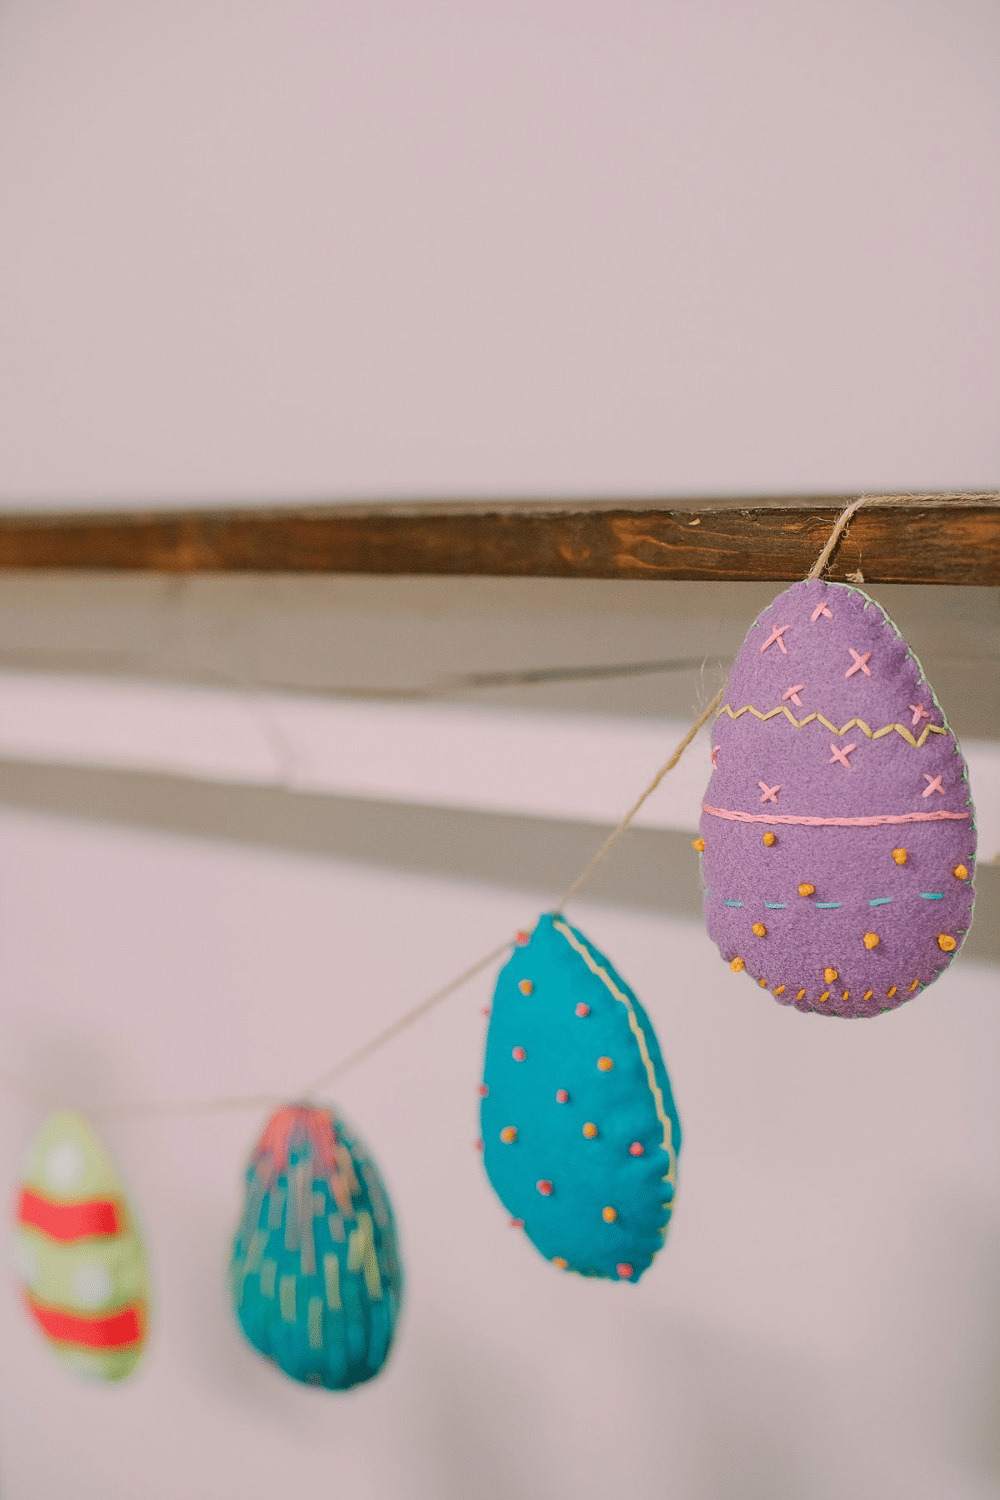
580,1133
315,1275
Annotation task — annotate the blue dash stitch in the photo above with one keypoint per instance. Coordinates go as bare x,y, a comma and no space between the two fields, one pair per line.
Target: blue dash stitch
932,895
732,903
827,904
775,905
880,901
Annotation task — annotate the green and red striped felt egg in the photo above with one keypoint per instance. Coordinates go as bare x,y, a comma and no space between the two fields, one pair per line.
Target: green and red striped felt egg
79,1258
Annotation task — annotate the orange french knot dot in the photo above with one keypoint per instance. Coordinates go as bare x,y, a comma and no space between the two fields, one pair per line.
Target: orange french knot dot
508,1134
605,1064
525,986
824,997
871,940
830,975
806,889
801,995
960,872
698,844
609,1215
762,983
563,1265
590,1130
846,995
768,839
889,993
780,990
900,856
914,985
759,930
946,942
867,994
737,964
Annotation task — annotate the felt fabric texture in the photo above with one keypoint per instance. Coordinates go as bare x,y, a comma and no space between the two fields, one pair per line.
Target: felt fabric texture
580,1133
316,1278
78,1255
838,826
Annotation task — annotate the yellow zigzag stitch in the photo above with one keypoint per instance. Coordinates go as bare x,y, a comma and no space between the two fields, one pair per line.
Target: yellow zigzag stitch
873,734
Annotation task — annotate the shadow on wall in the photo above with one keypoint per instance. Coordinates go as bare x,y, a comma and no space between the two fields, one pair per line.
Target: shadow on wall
651,870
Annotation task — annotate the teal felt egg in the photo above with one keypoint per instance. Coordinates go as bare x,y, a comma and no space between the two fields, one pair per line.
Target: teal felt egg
315,1275
580,1133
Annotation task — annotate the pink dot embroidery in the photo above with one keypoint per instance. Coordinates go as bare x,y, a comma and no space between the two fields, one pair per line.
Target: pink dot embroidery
637,1149
562,1097
544,1187
522,939
483,1090
583,1010
518,1054
624,1270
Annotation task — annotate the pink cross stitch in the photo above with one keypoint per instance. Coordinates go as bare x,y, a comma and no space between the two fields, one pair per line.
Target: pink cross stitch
715,755
841,755
820,609
933,785
860,663
770,792
776,635
793,693
919,712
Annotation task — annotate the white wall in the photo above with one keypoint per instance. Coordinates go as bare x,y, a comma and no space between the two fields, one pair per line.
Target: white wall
302,250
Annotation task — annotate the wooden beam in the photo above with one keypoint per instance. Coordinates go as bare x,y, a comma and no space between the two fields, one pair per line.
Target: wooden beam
933,540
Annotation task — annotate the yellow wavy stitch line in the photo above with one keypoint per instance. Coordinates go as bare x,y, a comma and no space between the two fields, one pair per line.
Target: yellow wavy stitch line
640,1036
873,734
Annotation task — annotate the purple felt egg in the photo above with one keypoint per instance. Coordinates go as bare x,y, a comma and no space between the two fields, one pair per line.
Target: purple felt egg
838,826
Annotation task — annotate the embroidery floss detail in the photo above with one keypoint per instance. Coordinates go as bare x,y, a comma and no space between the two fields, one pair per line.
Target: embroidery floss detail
840,807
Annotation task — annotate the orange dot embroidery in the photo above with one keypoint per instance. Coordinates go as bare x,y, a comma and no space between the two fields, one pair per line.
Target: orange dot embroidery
698,844
830,975
737,964
525,986
508,1134
609,1215
762,983
805,889
946,942
590,1130
557,1260
759,930
960,872
871,940
900,856
605,1064
768,839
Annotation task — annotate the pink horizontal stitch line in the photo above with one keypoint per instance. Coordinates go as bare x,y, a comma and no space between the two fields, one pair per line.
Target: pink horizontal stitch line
915,817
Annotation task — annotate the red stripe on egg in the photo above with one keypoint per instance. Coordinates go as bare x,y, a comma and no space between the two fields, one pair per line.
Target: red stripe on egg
92,1219
119,1330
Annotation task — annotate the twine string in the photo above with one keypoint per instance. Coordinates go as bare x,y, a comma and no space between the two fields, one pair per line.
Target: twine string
224,1104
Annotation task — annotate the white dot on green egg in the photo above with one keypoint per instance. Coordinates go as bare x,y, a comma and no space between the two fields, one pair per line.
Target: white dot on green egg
92,1285
26,1261
63,1166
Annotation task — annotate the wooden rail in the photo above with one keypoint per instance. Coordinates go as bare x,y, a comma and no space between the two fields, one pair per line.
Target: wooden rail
934,540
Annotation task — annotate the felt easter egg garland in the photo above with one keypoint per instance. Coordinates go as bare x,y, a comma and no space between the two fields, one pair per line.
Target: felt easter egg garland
580,1133
316,1277
838,841
78,1254
838,831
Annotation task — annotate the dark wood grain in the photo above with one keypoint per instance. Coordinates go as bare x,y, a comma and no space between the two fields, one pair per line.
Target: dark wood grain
930,541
